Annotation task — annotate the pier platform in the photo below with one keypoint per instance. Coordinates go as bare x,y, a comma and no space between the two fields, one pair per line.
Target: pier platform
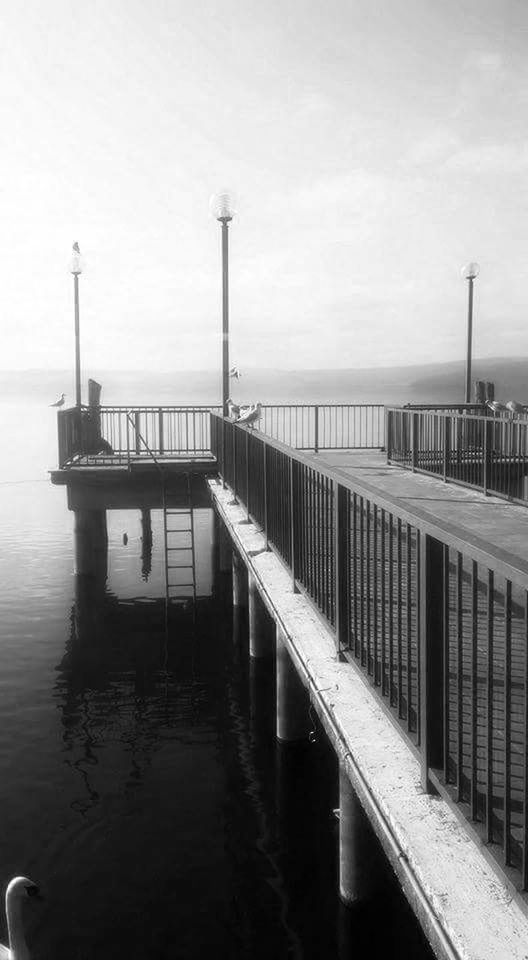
491,522
464,908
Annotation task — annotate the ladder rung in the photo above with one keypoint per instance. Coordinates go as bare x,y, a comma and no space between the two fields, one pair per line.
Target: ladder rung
179,529
177,586
179,548
179,566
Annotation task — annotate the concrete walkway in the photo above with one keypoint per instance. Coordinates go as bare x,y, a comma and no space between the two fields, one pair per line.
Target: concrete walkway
465,910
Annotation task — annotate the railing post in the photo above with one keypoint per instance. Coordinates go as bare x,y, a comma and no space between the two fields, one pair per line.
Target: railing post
488,441
316,429
265,481
292,522
447,443
247,472
224,483
160,430
389,421
342,522
235,431
414,439
137,431
432,673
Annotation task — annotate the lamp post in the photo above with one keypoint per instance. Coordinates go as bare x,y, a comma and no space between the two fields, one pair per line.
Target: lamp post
223,210
470,272
76,270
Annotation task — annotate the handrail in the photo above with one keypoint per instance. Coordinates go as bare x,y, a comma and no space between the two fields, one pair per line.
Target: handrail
434,616
505,563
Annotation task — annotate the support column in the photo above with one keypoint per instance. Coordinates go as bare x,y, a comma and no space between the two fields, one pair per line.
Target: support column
240,589
358,854
224,548
91,543
259,633
292,697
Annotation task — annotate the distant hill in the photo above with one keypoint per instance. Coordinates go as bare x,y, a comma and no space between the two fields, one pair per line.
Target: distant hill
434,382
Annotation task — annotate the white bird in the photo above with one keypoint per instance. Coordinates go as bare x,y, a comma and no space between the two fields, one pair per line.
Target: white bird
59,402
251,415
235,373
19,890
516,409
233,409
496,407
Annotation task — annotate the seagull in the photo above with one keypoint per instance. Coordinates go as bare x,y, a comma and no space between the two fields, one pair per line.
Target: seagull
516,408
496,407
251,415
75,248
233,409
59,402
235,373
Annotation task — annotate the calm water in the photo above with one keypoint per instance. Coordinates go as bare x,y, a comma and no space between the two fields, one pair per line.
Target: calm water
140,782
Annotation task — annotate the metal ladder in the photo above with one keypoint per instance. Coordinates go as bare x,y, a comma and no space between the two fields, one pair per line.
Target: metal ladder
179,541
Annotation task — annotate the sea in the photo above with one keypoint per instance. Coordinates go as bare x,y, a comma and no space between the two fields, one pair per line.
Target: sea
141,785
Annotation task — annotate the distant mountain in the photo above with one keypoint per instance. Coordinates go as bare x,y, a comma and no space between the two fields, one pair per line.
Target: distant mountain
434,382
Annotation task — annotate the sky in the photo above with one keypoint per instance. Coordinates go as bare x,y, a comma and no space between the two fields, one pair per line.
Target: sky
373,146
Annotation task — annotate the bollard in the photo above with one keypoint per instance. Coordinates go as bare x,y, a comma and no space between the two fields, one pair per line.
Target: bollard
292,698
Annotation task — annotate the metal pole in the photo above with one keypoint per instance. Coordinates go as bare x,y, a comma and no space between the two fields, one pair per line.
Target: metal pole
469,335
77,344
225,316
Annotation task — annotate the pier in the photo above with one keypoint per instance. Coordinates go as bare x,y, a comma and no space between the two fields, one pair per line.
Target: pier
389,549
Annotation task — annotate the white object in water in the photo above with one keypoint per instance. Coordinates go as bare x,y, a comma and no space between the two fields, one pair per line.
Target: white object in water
251,415
19,890
59,402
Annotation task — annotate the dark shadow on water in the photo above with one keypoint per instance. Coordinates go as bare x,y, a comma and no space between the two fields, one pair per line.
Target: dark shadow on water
186,831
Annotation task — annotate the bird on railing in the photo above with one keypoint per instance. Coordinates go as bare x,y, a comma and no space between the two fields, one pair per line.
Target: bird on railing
233,409
516,409
59,402
251,414
497,408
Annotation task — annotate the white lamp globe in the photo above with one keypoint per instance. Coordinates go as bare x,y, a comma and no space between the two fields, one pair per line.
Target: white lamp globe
223,206
470,271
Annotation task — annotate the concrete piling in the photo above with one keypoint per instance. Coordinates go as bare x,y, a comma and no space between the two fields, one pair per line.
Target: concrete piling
91,543
240,589
292,698
358,855
259,634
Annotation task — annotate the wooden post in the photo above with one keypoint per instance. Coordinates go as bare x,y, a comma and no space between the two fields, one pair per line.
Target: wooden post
490,390
432,677
480,391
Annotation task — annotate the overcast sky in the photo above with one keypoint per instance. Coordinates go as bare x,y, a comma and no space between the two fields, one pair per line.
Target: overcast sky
375,146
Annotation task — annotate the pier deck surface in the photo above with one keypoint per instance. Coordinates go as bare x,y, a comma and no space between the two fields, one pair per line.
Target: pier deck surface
466,911
495,523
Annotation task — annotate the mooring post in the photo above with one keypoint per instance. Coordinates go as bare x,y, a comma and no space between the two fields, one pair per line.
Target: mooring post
357,846
292,697
259,634
240,587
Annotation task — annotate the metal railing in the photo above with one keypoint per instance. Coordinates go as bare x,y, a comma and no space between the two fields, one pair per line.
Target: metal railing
122,433
325,426
484,452
434,618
